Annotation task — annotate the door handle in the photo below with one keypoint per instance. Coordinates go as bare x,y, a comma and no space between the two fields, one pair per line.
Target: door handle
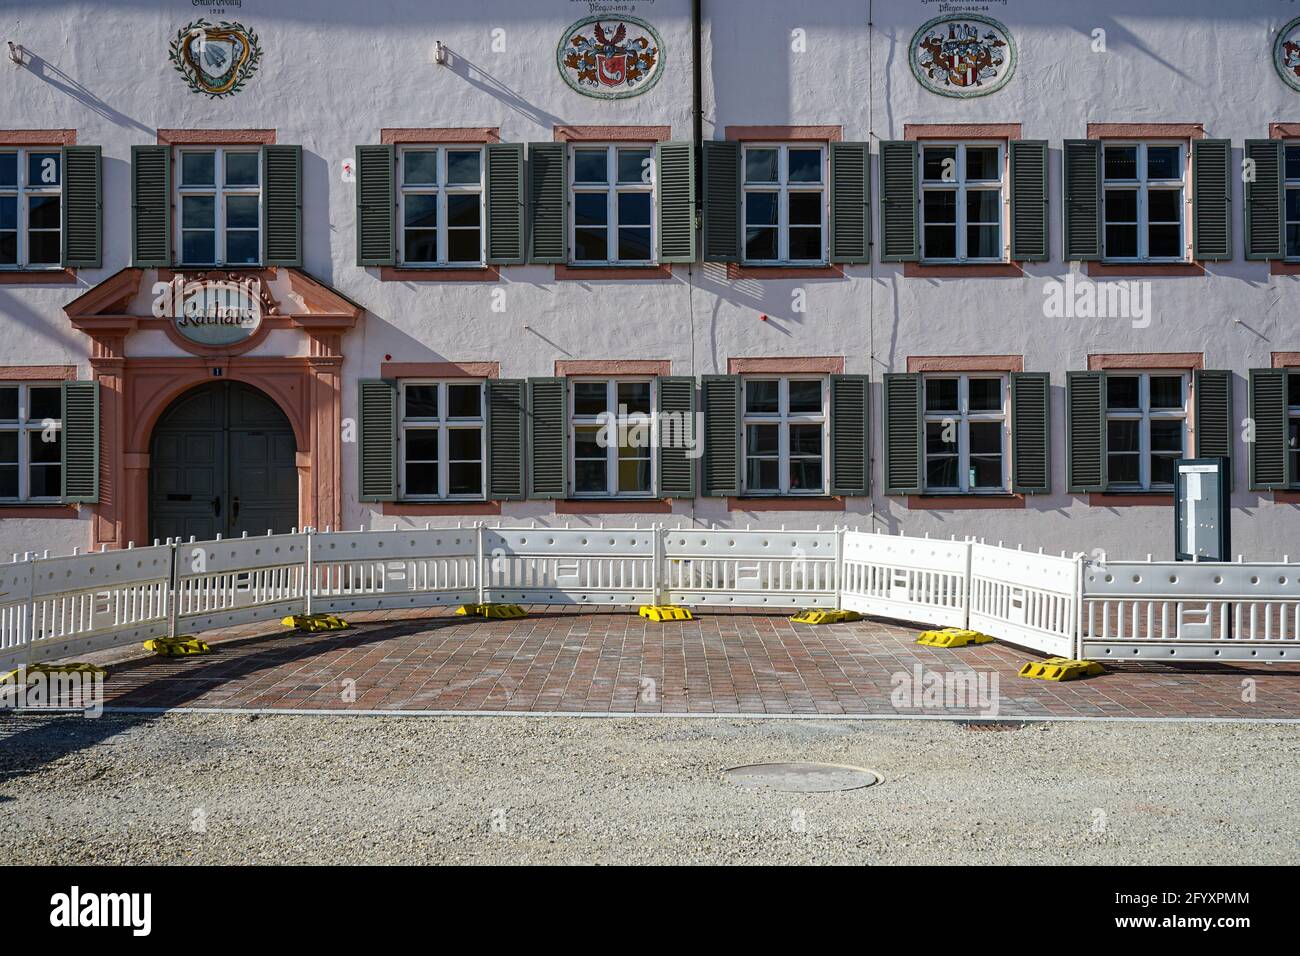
216,507
234,515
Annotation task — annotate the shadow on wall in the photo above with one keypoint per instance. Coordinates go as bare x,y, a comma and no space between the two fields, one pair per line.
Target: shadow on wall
481,79
49,73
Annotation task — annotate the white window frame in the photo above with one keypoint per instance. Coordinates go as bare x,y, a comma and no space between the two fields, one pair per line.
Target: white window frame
962,418
442,190
219,191
961,187
784,419
1143,186
783,188
612,188
1290,185
23,193
24,428
444,423
1145,415
611,450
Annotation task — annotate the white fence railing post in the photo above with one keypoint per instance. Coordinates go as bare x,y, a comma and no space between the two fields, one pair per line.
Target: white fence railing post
30,629
479,563
1078,607
307,572
656,555
839,567
967,583
173,593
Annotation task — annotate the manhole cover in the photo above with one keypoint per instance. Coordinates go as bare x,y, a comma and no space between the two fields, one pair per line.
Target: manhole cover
800,777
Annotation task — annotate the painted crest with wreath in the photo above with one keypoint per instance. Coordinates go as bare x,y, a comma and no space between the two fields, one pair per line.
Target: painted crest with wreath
962,56
610,58
1286,54
215,58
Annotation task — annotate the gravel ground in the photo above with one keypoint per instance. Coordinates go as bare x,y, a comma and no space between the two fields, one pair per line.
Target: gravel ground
197,788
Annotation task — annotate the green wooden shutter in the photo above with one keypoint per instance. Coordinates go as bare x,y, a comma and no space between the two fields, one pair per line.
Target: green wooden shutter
547,185
376,206
1268,452
1029,242
721,395
903,434
1264,196
850,435
282,183
850,202
79,441
721,201
1085,431
505,438
1031,432
505,204
675,173
1211,199
83,207
1081,199
377,413
548,434
677,438
151,207
1212,390
899,206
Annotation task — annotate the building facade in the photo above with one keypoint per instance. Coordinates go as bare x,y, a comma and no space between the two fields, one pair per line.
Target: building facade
978,269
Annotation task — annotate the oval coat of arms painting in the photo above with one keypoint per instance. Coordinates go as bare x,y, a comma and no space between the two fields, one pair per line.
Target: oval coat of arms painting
1286,53
963,56
610,57
215,58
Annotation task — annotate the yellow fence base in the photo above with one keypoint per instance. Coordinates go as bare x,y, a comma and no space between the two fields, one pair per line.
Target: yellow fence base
179,646
665,612
74,667
952,637
1060,668
492,611
315,622
816,615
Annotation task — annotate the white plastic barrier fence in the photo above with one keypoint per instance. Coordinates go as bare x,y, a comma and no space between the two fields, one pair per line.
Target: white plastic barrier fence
1199,611
911,579
56,607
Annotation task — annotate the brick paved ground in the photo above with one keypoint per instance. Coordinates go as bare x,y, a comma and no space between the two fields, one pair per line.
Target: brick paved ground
597,662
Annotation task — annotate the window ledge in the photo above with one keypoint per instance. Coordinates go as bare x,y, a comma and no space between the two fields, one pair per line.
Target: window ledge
439,274
957,501
1116,269
661,271
416,508
1282,267
626,506
1286,497
38,276
29,510
785,503
1131,499
740,270
962,270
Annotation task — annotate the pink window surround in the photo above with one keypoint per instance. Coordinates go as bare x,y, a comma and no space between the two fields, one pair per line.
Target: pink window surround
1286,359
1280,267
965,363
38,373
440,370
38,137
415,509
452,134
820,134
611,134
832,503
216,137
607,273
1187,131
1104,499
823,364
919,131
488,273
1146,360
736,270
613,506
66,276
566,367
964,502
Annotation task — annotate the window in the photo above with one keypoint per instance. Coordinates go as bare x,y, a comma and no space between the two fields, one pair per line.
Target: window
965,433
441,205
220,204
612,437
1292,167
31,454
784,205
785,436
613,204
1142,201
1146,418
31,214
961,202
1293,424
441,440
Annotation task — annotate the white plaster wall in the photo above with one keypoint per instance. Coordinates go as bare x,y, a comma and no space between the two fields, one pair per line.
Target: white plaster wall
334,73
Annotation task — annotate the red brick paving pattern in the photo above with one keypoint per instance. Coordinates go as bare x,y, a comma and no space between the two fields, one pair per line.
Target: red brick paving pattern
596,661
